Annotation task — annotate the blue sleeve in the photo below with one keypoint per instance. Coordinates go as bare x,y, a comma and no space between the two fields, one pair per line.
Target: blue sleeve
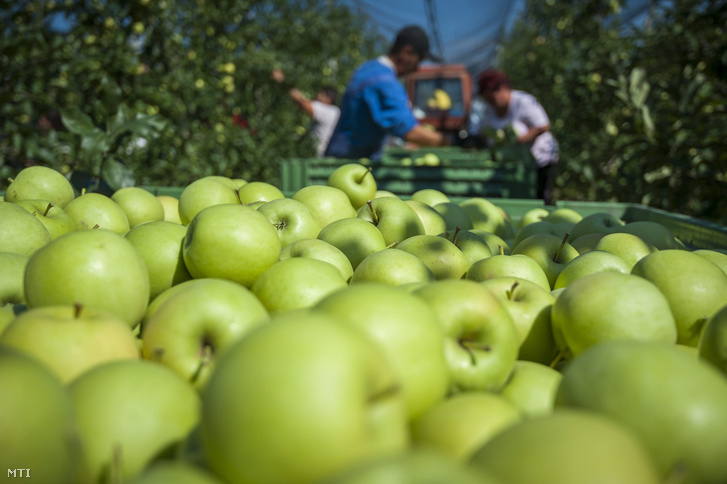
389,107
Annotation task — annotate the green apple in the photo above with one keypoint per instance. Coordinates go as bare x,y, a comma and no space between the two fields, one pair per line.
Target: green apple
11,278
563,214
95,210
396,220
472,245
8,312
500,265
385,193
442,257
196,323
432,220
355,237
139,205
454,216
70,340
653,233
598,222
529,305
292,219
551,253
298,282
128,413
481,342
485,215
496,243
718,258
609,306
533,215
656,390
328,204
205,192
430,196
459,425
631,248
160,245
712,346
406,329
567,447
258,191
356,181
176,471
532,388
589,263
321,250
171,208
53,217
392,266
99,269
36,418
232,242
40,183
586,243
20,232
301,399
558,229
694,287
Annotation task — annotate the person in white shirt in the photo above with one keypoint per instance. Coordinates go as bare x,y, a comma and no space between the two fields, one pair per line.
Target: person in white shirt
322,109
526,116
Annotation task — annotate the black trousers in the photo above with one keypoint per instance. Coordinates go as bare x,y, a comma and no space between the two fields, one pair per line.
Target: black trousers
546,180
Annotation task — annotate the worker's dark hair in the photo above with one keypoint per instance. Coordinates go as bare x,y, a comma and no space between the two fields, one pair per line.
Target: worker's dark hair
331,92
491,80
415,37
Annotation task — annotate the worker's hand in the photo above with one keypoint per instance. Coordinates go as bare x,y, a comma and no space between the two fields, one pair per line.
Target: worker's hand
278,75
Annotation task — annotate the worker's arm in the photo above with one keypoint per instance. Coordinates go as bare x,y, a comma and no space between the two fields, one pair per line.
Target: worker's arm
533,133
426,137
297,96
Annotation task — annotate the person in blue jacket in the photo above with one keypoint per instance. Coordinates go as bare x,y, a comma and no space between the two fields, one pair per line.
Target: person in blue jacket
376,106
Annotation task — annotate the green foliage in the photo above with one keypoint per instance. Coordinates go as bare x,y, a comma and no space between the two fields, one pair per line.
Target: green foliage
639,112
155,88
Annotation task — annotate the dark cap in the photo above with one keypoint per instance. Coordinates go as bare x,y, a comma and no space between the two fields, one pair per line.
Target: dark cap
417,38
490,80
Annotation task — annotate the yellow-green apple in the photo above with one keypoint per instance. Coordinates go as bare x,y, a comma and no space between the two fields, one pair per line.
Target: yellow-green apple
408,332
588,263
432,220
70,339
532,387
232,242
717,257
295,283
598,222
8,312
99,269
656,390
533,215
259,191
551,253
396,220
11,278
392,266
205,192
472,245
695,288
326,400
558,229
612,306
355,237
129,412
500,265
653,233
443,258
321,250
356,181
139,205
40,183
21,232
53,217
160,245
196,323
629,247
96,210
480,339
485,215
454,215
386,193
177,471
586,243
36,418
712,346
563,214
496,243
328,204
292,219
529,305
567,447
459,425
430,196
170,205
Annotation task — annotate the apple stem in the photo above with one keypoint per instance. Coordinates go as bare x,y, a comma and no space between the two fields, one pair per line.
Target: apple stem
456,231
280,225
50,205
95,227
558,357
511,291
204,361
373,212
158,354
117,464
361,178
237,193
10,180
77,310
560,249
393,244
502,249
83,191
471,347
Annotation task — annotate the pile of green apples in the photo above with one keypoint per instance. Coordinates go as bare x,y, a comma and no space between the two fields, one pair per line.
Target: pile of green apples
345,335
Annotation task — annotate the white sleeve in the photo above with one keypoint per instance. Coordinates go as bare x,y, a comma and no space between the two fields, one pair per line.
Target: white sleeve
531,112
